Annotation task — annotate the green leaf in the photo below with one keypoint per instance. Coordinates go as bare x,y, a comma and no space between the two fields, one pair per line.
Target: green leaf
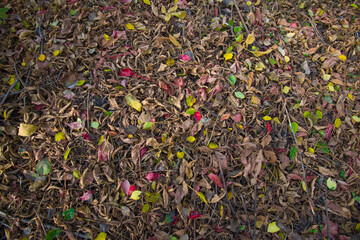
43,167
68,214
190,101
272,61
237,29
148,125
108,113
81,82
66,155
73,12
190,111
294,127
307,114
4,10
239,37
232,79
292,153
146,208
229,49
52,234
242,228
319,114
202,197
77,174
95,125
239,95
356,118
213,145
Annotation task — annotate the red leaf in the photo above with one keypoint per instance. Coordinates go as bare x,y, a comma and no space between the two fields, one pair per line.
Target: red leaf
86,196
125,185
142,152
328,132
237,117
197,116
126,72
216,180
184,57
87,136
132,188
194,215
268,127
179,82
152,176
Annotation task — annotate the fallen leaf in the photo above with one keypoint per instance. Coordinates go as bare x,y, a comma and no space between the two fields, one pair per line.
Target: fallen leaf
228,56
273,228
133,102
250,39
87,196
184,57
152,176
135,195
27,130
216,180
101,236
126,72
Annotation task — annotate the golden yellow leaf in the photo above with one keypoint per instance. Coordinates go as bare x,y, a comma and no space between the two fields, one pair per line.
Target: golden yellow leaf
170,62
350,96
147,2
331,87
213,145
130,26
259,66
106,37
276,120
27,130
267,118
287,59
337,123
250,39
286,90
56,52
303,186
255,100
101,236
59,136
342,58
41,57
180,15
228,56
191,139
180,154
311,150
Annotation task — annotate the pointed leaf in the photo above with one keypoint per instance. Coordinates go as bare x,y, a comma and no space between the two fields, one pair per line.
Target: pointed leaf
133,102
50,235
216,180
66,154
232,79
126,72
152,176
43,167
213,145
191,139
135,195
239,95
147,2
27,130
194,215
148,125
202,197
294,127
273,228
87,196
101,236
250,39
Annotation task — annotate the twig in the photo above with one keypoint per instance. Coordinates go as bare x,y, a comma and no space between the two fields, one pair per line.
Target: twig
87,102
289,232
255,207
245,210
302,162
327,215
241,17
8,92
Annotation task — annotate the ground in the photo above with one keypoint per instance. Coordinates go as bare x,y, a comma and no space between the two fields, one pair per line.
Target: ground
159,119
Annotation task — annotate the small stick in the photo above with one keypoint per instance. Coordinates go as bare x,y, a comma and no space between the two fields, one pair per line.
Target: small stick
255,206
302,162
241,17
327,215
8,92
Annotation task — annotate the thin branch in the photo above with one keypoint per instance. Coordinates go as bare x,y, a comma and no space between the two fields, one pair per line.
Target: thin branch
302,162
255,207
8,92
327,215
241,17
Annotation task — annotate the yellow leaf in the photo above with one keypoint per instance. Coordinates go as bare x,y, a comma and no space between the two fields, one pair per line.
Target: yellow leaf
170,62
228,56
173,9
23,64
230,195
180,15
133,102
255,100
163,9
106,37
135,195
303,186
287,59
273,228
191,139
342,58
101,140
331,184
174,41
213,145
326,77
221,210
180,154
259,66
56,52
337,123
101,236
11,80
331,87
276,120
26,130
59,136
286,90
350,96
167,17
250,39
267,118
130,26
41,57
311,150
147,2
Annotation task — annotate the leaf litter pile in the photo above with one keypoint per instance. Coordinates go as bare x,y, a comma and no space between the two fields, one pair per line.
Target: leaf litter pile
180,119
